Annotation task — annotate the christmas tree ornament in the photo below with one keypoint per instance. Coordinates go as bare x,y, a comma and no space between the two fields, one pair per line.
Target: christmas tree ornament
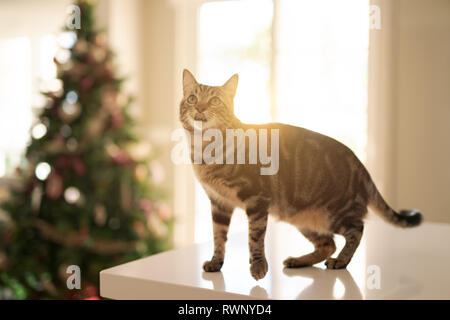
98,54
141,172
65,131
96,125
140,229
79,167
54,186
68,112
72,97
72,144
100,214
109,99
146,205
164,212
116,120
86,83
36,198
100,40
42,171
81,47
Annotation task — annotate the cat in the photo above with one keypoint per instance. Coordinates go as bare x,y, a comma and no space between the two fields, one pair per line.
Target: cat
321,187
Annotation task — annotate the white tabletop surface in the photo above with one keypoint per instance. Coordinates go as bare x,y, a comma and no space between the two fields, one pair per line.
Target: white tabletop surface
390,263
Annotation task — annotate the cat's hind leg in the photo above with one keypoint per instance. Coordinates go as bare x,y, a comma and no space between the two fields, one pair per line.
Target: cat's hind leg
324,247
352,231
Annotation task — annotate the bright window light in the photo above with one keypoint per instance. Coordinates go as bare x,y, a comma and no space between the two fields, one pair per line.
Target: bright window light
26,64
322,58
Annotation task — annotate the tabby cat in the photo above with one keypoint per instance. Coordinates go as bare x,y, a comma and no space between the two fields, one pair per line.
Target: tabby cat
321,187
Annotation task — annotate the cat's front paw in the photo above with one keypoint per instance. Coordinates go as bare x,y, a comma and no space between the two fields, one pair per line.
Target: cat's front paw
213,266
258,268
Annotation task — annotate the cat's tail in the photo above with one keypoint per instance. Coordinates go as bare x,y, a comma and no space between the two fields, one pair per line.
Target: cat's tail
404,218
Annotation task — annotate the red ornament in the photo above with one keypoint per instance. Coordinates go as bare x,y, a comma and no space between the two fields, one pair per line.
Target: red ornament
54,186
86,83
116,120
62,162
145,205
79,167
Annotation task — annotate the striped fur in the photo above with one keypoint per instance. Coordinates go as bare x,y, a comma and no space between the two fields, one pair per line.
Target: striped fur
321,186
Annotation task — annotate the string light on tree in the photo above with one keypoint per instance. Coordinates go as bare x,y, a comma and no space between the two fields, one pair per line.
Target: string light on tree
42,171
67,39
38,131
72,195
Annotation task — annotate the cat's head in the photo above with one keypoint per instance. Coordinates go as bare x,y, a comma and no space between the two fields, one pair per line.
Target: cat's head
213,106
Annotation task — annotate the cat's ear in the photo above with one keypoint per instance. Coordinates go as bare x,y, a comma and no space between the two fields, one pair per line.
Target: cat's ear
188,80
231,85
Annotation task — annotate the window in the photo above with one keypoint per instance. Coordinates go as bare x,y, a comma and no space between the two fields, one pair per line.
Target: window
321,68
27,48
26,65
315,52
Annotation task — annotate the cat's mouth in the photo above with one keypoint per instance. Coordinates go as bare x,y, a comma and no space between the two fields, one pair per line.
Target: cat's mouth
199,117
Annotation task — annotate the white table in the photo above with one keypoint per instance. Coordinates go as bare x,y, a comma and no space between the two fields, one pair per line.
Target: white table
411,264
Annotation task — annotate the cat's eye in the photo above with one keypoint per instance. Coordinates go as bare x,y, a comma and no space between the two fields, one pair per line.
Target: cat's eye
215,101
192,99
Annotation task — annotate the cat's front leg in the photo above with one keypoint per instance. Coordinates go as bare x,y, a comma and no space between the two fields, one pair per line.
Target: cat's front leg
257,222
221,216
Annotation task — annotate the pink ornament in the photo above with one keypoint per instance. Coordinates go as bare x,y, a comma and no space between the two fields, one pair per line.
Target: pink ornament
121,157
79,166
116,120
164,212
145,205
54,186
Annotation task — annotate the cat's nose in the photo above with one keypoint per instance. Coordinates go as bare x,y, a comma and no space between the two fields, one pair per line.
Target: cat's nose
200,107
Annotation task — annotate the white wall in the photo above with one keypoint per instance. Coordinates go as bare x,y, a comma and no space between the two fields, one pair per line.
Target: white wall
423,100
409,105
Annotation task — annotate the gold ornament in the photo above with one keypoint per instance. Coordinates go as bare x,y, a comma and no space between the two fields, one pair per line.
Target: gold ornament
140,172
68,112
100,215
81,47
98,54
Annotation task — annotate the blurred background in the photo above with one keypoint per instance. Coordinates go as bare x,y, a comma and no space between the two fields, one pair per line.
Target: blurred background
372,74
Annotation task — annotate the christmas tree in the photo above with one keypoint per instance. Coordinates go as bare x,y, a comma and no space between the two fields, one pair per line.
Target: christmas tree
84,197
